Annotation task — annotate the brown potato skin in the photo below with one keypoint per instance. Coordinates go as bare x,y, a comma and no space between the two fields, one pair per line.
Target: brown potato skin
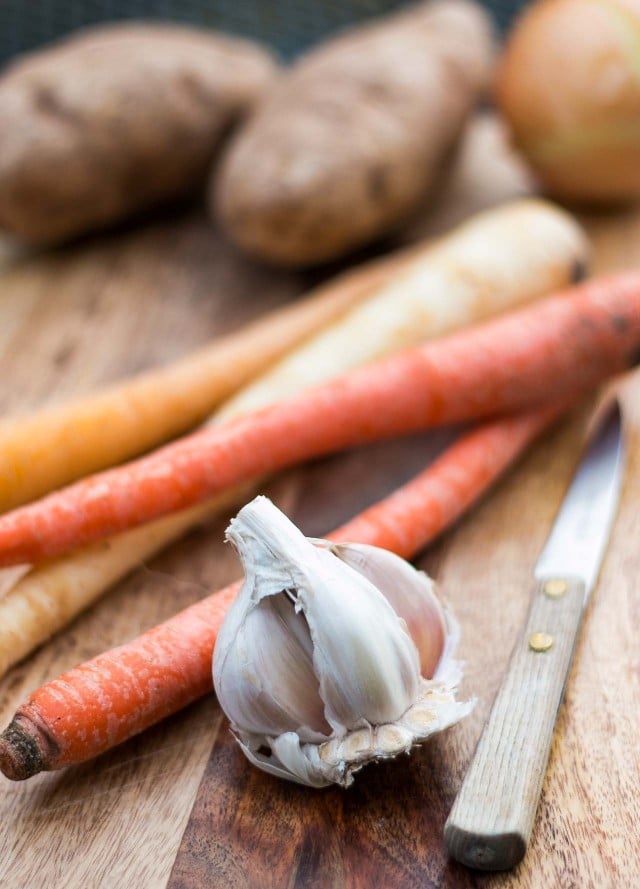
568,86
115,120
350,139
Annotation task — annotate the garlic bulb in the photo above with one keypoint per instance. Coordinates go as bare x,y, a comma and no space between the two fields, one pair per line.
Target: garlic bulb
332,655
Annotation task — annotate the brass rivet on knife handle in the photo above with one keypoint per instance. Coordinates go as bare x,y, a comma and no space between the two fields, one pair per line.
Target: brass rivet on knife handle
555,588
540,642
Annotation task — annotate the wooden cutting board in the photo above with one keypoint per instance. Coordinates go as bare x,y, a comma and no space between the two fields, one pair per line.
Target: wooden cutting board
75,318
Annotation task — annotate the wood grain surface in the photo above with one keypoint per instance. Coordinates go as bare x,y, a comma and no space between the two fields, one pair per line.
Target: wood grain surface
72,319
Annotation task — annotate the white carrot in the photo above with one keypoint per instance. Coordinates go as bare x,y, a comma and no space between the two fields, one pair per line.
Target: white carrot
496,261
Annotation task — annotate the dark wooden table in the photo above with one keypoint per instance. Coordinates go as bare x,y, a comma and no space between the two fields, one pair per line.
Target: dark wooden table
73,319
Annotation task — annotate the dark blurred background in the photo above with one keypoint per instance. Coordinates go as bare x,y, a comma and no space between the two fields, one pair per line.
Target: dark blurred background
289,26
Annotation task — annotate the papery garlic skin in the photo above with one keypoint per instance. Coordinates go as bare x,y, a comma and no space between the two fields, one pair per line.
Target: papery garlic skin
312,662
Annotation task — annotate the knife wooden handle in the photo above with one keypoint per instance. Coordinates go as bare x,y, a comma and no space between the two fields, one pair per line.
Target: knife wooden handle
491,821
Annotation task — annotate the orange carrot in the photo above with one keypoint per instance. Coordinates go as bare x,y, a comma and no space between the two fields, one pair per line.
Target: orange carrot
563,345
58,445
103,702
414,515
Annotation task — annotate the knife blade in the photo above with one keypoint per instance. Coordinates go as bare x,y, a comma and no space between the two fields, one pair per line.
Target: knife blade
490,824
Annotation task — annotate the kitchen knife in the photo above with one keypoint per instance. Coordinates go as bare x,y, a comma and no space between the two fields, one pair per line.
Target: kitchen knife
491,820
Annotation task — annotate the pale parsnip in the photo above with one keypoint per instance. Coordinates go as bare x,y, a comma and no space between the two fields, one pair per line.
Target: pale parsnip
498,260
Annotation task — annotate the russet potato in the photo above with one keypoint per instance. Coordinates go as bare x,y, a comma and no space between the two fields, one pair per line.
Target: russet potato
114,120
349,141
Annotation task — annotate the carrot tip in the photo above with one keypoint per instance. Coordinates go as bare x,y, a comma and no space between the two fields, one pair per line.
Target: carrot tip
579,270
634,358
22,749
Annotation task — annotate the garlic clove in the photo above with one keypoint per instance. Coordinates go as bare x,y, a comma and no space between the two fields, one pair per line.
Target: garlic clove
410,593
301,761
271,660
367,663
288,760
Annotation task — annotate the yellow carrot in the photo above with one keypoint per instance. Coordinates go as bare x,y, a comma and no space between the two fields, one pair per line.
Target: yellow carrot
501,258
52,447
